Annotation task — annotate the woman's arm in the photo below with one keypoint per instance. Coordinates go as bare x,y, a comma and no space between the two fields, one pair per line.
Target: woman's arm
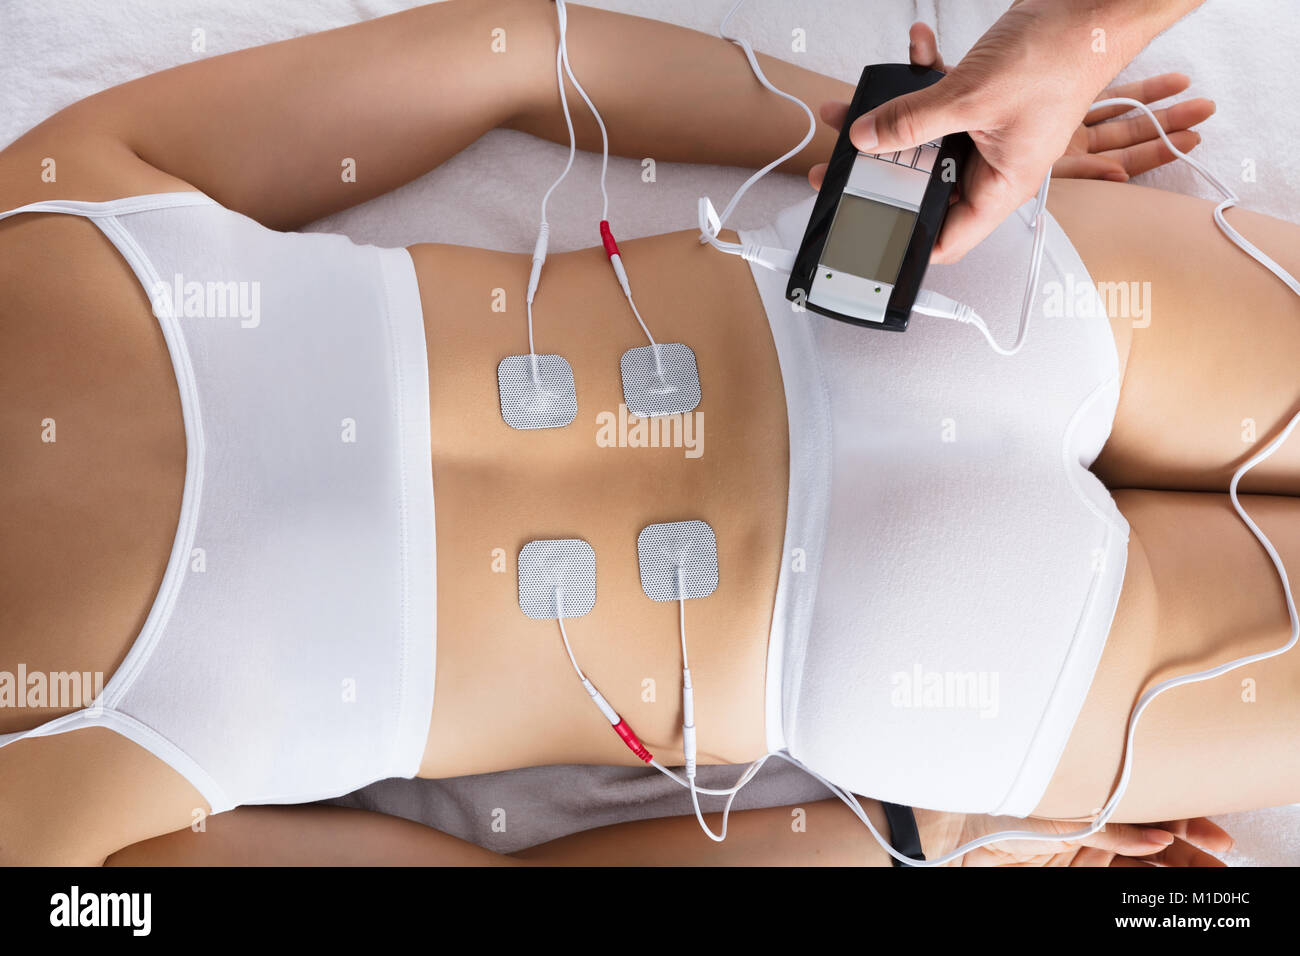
821,833
266,131
310,835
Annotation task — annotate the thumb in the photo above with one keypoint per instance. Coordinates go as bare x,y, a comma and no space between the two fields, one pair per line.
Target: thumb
911,120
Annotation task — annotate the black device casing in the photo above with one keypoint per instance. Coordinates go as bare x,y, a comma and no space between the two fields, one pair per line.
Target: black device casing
880,83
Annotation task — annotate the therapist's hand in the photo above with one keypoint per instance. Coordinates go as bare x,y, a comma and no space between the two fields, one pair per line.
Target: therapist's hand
1099,149
1021,93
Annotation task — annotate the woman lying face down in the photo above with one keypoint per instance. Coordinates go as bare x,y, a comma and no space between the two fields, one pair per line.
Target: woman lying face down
291,547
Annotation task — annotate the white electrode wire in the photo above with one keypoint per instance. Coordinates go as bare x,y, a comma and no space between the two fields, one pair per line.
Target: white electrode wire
688,712
699,814
689,781
544,230
563,14
568,120
708,235
1229,197
681,613
532,350
688,718
933,304
730,791
655,346
1213,672
564,635
735,788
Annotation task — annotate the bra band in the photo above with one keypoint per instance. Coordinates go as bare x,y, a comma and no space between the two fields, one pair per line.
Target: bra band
903,835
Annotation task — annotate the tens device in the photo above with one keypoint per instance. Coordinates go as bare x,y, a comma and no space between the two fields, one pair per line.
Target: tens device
876,218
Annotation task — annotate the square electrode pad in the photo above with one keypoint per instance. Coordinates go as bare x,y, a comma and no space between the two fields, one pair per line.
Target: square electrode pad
688,545
545,400
667,385
557,578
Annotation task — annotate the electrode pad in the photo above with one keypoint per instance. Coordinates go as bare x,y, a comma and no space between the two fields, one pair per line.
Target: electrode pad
688,545
650,394
545,400
557,577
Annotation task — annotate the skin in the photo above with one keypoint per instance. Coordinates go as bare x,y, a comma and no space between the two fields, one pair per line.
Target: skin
89,521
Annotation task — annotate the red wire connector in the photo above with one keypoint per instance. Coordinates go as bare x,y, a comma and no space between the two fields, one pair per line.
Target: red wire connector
607,237
633,744
615,260
617,722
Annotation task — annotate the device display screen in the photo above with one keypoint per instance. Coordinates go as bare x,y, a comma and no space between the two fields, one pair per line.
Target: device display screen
868,238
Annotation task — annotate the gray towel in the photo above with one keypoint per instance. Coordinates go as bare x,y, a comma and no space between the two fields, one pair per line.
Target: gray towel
538,804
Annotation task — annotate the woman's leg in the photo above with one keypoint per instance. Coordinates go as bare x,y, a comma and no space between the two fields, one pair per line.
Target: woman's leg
1209,377
1199,591
1211,373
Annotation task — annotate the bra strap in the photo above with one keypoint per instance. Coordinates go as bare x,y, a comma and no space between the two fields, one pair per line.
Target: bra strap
114,207
904,836
85,717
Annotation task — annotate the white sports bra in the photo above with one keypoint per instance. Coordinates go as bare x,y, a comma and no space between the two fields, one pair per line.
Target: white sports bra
289,653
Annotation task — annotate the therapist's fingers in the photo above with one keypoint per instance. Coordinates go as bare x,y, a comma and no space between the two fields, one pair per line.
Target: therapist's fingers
1118,133
987,197
915,118
923,48
816,175
1150,90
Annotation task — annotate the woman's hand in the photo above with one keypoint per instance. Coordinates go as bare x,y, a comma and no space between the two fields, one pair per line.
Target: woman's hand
1107,148
1177,843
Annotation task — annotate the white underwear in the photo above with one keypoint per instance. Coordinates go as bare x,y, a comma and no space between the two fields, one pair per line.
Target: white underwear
289,655
951,566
